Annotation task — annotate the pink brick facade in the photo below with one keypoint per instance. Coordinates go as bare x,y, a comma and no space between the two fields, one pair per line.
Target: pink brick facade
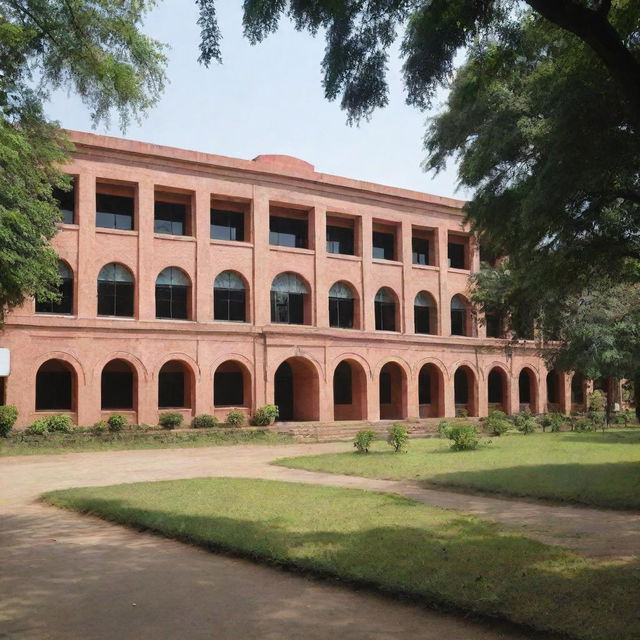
84,342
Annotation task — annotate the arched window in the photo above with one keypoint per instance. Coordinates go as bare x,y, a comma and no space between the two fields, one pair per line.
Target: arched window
115,291
55,386
117,385
174,386
385,308
341,306
288,297
424,313
172,294
459,316
229,297
65,289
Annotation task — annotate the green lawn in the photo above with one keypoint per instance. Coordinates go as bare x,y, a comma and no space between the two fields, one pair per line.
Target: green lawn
18,445
389,542
600,469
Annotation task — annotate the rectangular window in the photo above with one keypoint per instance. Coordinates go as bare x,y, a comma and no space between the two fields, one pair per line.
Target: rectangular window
288,232
229,305
170,218
114,211
287,308
384,246
340,240
228,389
420,250
494,326
171,389
421,319
227,225
457,250
67,203
341,312
457,322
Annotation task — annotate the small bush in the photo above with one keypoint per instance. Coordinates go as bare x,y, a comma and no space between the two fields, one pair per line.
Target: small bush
170,420
59,424
464,436
205,421
398,437
8,417
553,421
235,418
625,417
117,422
527,426
265,415
99,428
597,400
443,429
38,427
363,440
497,423
598,419
583,425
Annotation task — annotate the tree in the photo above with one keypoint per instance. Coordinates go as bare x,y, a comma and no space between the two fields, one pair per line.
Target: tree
95,49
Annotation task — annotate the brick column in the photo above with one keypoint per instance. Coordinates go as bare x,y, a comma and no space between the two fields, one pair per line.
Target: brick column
85,287
261,293
321,284
407,325
368,293
203,276
444,302
146,279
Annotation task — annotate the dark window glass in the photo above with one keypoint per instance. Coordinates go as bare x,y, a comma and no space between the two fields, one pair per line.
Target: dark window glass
421,319
456,254
117,390
385,311
67,203
524,387
457,322
171,389
340,240
342,384
53,390
227,225
288,232
170,218
228,304
552,387
461,387
114,212
420,249
424,386
65,288
341,312
171,301
385,387
115,291
287,308
494,326
228,389
384,246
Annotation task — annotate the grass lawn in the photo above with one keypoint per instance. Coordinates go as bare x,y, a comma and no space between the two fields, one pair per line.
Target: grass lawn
17,445
599,469
386,541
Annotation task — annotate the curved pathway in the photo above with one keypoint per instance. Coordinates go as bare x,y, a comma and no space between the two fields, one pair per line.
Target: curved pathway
63,575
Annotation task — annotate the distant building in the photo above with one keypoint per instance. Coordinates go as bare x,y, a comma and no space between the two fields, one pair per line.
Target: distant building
200,283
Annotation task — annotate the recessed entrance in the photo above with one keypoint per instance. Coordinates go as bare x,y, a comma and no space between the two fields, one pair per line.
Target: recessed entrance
296,391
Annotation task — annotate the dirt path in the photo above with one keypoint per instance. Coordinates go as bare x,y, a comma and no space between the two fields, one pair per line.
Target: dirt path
67,576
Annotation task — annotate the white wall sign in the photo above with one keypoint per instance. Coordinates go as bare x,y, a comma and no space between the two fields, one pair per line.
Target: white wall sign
5,362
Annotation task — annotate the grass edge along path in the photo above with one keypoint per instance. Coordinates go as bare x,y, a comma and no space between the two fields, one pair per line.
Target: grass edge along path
135,440
389,542
592,469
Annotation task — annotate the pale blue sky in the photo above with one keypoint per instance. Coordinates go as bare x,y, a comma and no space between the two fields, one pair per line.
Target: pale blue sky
268,98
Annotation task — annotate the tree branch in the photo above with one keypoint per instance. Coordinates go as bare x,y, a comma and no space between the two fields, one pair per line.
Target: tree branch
593,28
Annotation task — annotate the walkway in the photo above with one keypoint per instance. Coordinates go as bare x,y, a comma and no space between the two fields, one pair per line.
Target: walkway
67,576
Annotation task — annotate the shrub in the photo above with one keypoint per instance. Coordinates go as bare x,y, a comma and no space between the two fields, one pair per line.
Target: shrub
443,429
38,427
99,428
583,425
117,422
598,419
597,400
8,417
398,437
462,413
553,421
625,417
497,423
363,440
235,418
527,425
170,420
265,415
59,424
204,421
464,437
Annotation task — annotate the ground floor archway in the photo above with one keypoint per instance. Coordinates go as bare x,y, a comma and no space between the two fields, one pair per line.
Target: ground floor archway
175,386
527,391
296,390
431,391
231,385
392,392
117,386
498,390
56,386
465,391
349,391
